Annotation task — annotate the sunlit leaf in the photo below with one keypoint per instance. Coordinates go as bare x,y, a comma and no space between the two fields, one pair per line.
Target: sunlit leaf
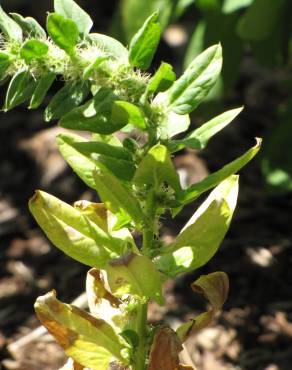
194,191
202,235
64,32
88,340
133,114
171,123
144,43
109,45
86,157
162,80
194,85
69,9
33,49
30,26
101,302
136,275
10,29
93,66
73,232
199,138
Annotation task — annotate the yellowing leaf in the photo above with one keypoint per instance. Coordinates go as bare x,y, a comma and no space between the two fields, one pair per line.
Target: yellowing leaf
89,341
202,235
73,232
215,288
101,302
96,212
136,275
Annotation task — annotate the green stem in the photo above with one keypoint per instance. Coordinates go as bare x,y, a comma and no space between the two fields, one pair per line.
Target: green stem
148,233
141,327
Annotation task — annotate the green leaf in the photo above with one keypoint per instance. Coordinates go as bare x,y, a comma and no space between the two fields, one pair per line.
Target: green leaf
136,275
5,61
33,49
118,198
99,115
162,80
88,340
194,191
260,19
231,6
214,287
30,27
108,45
20,89
171,123
194,85
117,152
66,99
199,138
86,157
69,9
64,32
155,168
132,14
42,87
144,43
93,66
72,232
129,112
10,28
82,165
202,235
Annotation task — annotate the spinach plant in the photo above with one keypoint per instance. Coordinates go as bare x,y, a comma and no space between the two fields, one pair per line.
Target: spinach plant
106,89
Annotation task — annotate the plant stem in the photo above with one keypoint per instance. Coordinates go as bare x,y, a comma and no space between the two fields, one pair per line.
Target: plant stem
148,232
141,320
141,328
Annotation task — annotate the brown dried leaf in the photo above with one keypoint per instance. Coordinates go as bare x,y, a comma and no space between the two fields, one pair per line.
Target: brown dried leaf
215,288
164,350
